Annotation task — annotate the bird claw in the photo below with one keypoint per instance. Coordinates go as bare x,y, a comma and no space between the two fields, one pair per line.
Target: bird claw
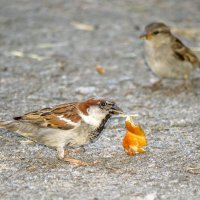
79,162
155,86
78,150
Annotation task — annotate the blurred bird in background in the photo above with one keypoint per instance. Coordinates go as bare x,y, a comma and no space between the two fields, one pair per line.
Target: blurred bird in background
166,55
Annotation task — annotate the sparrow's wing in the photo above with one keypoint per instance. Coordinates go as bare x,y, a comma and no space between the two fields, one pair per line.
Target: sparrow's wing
63,116
183,53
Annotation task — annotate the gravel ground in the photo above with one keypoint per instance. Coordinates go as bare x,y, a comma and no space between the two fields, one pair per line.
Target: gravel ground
48,56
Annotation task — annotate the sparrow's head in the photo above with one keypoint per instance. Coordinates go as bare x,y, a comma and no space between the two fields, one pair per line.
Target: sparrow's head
99,106
93,111
156,32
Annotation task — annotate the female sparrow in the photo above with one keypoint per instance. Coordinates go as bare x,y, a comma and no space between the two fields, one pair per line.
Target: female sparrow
66,125
166,55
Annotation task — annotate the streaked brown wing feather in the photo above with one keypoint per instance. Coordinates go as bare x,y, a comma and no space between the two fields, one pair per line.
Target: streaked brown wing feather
183,53
49,117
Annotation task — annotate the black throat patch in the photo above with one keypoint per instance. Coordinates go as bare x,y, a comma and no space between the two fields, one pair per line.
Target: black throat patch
95,134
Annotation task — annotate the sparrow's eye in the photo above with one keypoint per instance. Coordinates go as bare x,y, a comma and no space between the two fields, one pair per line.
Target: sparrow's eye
103,104
155,32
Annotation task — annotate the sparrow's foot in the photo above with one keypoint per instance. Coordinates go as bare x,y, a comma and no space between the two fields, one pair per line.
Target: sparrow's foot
81,149
60,153
155,86
77,150
76,162
79,162
186,86
73,161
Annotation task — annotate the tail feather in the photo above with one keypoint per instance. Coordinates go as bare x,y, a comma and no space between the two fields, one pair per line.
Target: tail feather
27,130
4,124
10,125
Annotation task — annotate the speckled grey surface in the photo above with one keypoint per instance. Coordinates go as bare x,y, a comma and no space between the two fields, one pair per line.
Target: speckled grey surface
45,60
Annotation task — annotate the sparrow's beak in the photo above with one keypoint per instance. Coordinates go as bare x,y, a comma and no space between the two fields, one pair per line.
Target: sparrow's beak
116,110
146,36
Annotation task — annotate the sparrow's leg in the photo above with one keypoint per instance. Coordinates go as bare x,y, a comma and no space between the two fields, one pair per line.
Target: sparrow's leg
79,150
64,155
77,162
186,85
157,85
76,150
60,152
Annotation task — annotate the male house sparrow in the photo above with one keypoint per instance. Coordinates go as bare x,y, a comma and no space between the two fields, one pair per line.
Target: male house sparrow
70,124
166,55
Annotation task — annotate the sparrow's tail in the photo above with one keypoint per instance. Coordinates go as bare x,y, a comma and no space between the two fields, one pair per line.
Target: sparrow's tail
26,130
5,124
12,126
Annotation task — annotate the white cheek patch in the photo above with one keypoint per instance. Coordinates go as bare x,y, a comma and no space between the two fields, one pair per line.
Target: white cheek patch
91,120
94,117
68,121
